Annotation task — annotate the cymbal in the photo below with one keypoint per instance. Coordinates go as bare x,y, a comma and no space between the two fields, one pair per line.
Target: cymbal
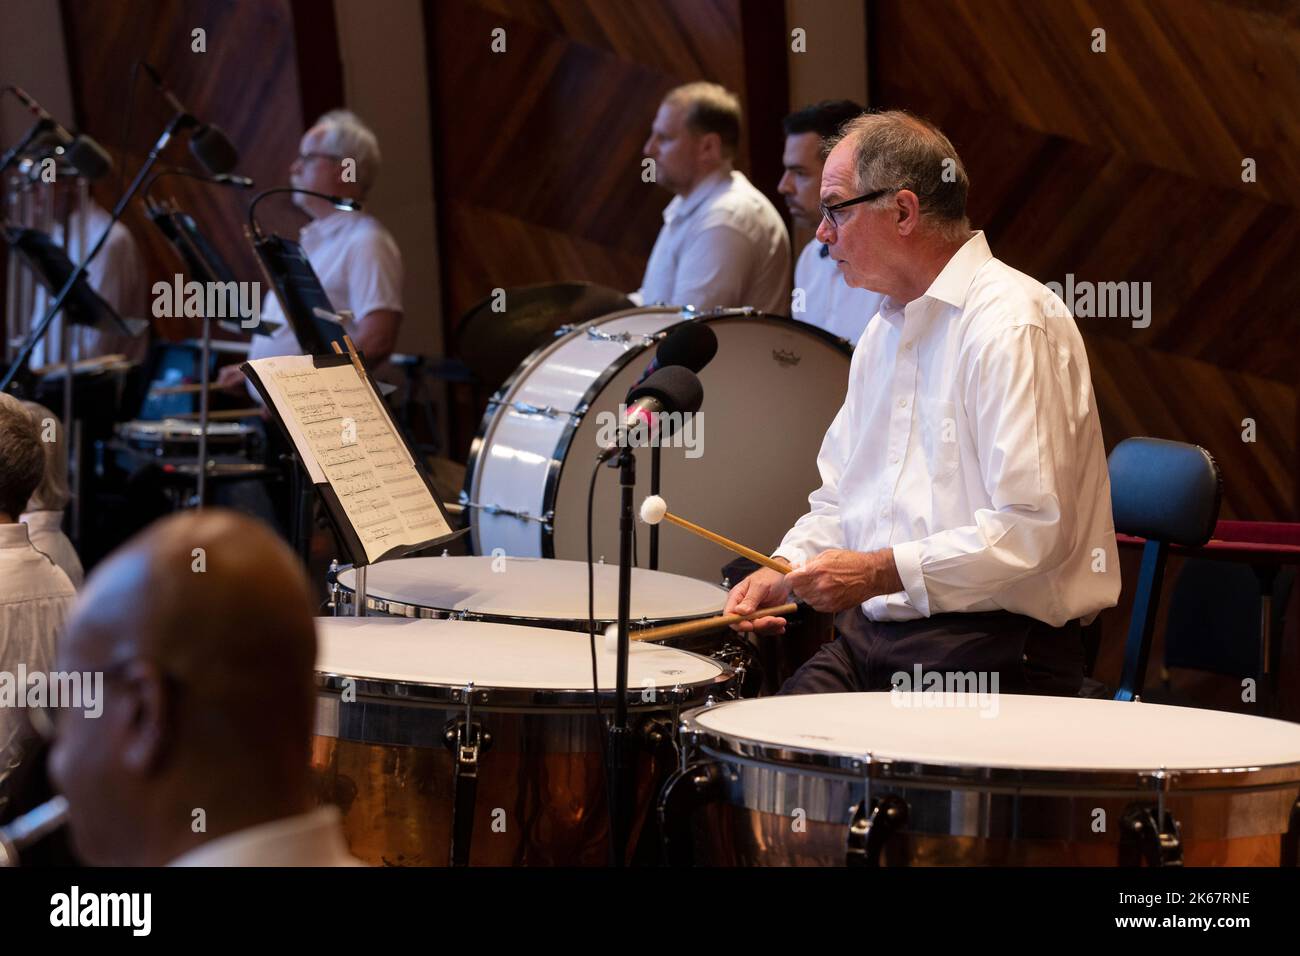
493,343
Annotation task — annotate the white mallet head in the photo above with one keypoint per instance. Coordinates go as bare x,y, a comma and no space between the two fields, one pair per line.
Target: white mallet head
653,509
611,638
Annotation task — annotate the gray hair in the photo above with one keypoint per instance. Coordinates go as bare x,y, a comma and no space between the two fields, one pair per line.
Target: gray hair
346,136
52,493
896,150
22,461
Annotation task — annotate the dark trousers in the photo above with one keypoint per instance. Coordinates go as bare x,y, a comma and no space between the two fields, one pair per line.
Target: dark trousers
1028,656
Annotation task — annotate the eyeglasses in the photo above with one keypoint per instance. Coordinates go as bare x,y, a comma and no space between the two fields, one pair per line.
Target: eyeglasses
828,212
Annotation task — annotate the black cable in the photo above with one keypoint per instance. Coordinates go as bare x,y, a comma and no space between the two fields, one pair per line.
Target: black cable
591,627
123,143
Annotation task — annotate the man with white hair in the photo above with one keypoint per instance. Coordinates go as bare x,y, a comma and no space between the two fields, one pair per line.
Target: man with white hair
722,244
963,523
354,256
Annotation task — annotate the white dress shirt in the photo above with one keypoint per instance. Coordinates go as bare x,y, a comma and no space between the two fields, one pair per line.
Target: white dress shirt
969,442
723,245
45,529
828,301
309,839
359,267
117,273
35,597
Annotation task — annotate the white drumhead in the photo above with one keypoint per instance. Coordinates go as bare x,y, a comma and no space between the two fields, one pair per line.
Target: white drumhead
748,476
538,588
1014,732
453,653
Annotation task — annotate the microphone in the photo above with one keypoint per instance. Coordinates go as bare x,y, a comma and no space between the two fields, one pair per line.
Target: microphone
691,346
209,145
80,151
673,390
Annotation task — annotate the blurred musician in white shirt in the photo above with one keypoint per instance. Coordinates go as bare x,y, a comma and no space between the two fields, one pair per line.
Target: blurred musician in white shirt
722,244
116,273
35,595
44,513
354,256
964,520
821,297
200,755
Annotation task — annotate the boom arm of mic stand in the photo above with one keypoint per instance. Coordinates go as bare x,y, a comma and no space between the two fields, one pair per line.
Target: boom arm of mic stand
177,122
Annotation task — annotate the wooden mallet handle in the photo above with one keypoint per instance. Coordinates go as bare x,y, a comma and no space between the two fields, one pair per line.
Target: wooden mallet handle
710,623
776,564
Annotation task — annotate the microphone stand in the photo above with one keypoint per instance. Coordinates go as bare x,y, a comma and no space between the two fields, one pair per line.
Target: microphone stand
654,490
620,735
176,123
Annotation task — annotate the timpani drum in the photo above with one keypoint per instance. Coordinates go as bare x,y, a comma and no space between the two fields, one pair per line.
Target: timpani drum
532,591
472,742
745,470
177,438
549,592
890,779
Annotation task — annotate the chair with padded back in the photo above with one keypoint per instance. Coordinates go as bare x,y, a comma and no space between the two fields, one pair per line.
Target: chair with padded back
1167,492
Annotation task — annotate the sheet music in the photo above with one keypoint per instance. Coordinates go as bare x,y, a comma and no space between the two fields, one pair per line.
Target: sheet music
345,437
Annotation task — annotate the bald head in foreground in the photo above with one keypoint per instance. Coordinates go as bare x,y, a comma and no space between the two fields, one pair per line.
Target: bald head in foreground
202,629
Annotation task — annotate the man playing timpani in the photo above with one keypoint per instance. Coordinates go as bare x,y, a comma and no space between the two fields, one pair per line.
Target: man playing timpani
963,522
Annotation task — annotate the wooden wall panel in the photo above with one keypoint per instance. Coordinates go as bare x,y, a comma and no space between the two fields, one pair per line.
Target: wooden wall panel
246,83
1126,167
539,148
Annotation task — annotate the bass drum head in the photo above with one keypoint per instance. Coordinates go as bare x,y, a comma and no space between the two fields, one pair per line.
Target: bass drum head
746,472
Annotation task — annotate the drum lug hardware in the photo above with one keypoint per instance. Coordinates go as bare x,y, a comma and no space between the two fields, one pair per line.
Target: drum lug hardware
1151,836
546,411
467,741
871,829
1291,839
684,793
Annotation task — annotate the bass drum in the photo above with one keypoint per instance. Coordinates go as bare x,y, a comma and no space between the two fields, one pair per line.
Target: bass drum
744,470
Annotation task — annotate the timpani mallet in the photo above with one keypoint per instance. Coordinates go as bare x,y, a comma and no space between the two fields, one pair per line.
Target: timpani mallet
700,626
654,509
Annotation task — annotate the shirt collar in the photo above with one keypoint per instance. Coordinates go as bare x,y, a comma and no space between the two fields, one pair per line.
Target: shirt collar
683,206
43,520
314,838
14,535
329,225
953,281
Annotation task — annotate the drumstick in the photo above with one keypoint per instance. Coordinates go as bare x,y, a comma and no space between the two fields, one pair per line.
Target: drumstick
706,624
654,509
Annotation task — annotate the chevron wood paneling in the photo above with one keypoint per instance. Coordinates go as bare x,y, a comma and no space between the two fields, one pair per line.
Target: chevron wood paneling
246,83
539,152
538,149
1126,167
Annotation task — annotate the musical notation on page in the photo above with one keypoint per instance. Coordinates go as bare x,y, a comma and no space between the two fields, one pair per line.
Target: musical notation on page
346,438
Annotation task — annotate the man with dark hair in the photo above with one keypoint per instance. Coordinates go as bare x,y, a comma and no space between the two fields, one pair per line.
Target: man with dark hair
963,523
35,595
821,296
722,244
202,627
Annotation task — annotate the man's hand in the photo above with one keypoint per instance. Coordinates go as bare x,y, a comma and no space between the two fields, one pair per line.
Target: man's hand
835,580
230,379
763,588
